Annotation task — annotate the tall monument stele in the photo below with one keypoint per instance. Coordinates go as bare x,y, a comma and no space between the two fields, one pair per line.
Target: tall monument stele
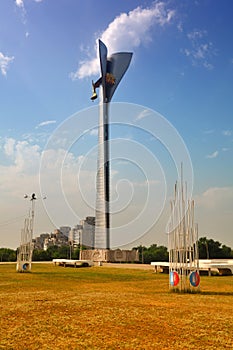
113,69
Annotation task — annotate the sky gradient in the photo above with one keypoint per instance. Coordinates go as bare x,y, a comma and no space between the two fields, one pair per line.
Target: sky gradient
182,68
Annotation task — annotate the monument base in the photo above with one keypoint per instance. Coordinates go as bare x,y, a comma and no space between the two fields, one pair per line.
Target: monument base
23,266
108,255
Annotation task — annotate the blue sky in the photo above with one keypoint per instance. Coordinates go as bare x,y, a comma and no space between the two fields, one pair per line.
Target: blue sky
182,67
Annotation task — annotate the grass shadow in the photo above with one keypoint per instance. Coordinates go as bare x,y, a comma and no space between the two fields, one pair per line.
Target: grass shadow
216,293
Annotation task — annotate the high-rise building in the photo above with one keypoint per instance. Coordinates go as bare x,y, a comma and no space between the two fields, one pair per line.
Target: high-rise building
84,233
88,232
75,235
65,230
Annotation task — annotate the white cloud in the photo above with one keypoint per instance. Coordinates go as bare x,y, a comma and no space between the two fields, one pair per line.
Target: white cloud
19,3
126,32
47,122
147,183
214,197
208,66
9,147
94,132
24,166
180,27
24,157
207,132
143,114
214,209
4,63
212,155
196,34
201,51
227,132
20,175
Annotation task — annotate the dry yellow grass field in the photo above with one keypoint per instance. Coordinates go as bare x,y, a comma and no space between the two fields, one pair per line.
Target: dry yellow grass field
110,308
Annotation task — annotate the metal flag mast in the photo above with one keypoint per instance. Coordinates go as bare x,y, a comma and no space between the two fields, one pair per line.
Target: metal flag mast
25,251
113,69
24,256
183,242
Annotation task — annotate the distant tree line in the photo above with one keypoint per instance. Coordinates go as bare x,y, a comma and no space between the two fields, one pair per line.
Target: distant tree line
56,252
53,252
7,254
208,249
153,253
